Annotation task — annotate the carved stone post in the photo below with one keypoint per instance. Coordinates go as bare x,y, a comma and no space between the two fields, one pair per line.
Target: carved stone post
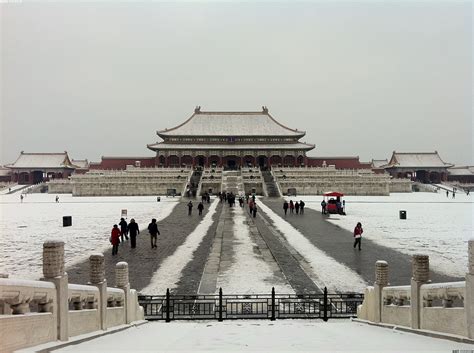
97,278
420,275
469,299
381,280
53,271
122,282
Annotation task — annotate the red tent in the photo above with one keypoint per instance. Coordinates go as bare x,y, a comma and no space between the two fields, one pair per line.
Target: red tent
333,193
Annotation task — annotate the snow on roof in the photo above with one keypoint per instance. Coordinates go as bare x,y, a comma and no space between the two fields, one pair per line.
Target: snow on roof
424,159
81,163
231,146
378,163
461,171
42,160
231,124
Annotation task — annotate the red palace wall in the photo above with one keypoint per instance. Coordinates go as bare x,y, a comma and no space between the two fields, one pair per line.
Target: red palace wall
340,163
121,163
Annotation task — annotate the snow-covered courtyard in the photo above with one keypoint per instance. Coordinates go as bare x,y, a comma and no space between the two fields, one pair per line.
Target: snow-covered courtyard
25,226
436,225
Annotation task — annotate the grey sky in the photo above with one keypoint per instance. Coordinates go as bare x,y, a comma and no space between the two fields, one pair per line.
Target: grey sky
360,78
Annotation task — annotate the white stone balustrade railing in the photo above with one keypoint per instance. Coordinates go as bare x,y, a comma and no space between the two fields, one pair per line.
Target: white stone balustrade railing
397,295
441,307
445,293
37,312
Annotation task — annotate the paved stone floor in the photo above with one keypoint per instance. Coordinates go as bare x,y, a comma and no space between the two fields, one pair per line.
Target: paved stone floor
338,243
143,260
215,254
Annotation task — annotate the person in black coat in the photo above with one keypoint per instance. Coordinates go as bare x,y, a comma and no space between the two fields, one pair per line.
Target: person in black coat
133,231
153,230
200,208
123,229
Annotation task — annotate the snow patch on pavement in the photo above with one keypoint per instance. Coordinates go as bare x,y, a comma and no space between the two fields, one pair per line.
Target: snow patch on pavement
170,271
327,271
249,273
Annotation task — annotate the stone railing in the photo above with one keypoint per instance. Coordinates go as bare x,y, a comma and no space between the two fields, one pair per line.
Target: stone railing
37,312
441,307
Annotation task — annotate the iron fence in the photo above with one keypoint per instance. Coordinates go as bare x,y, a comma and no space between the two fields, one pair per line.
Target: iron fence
252,306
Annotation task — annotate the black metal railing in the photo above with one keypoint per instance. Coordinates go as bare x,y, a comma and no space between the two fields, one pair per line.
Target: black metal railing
250,306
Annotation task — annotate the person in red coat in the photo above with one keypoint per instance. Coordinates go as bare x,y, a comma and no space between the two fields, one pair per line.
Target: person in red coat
358,235
115,239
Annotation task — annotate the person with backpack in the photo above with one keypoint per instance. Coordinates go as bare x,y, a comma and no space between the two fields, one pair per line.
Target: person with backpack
153,230
358,235
133,231
115,239
302,204
323,207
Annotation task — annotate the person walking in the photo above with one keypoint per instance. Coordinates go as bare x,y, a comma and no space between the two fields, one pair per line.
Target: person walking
21,198
251,204
153,230
190,208
292,206
285,206
323,206
447,193
57,198
358,235
200,208
254,210
123,229
302,204
133,231
297,207
115,239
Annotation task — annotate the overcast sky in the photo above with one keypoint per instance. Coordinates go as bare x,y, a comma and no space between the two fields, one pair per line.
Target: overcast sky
98,79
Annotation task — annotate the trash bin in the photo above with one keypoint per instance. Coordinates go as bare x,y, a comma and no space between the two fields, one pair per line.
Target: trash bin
403,214
67,221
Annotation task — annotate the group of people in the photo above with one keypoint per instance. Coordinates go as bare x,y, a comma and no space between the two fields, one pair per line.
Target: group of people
120,235
294,207
200,207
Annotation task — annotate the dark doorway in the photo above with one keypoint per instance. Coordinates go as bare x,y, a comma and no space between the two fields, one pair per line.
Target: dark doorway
37,177
201,161
231,164
262,161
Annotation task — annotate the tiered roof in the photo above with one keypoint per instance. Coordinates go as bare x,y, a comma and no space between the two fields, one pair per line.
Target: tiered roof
203,123
42,161
417,160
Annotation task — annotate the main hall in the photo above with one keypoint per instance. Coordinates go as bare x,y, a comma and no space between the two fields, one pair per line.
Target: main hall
231,140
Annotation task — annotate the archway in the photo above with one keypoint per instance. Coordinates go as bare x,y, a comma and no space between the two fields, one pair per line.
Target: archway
231,162
249,161
187,160
173,161
37,176
435,177
300,161
262,161
289,161
214,161
161,160
201,161
275,160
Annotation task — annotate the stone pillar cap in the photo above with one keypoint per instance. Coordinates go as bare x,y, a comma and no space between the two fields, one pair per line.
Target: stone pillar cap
121,264
381,262
95,255
52,242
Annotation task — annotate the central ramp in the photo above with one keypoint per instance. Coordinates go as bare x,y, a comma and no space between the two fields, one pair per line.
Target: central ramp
232,182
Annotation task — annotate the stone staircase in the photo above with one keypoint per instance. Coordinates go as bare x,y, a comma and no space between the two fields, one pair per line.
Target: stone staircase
232,182
270,183
194,182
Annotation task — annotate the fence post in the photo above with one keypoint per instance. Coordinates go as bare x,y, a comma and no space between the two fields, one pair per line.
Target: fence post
220,305
420,275
325,304
53,271
168,305
97,278
381,281
273,304
122,282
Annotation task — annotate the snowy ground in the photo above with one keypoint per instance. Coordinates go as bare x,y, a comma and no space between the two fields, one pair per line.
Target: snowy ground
170,272
324,267
265,336
25,226
247,265
436,225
